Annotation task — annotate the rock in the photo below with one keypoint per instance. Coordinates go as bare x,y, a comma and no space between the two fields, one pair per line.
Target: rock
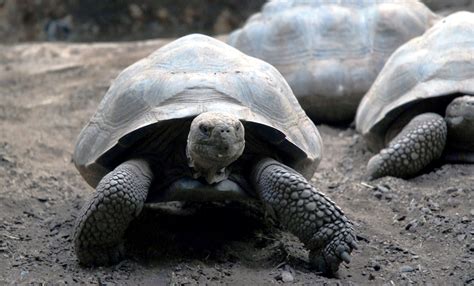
333,185
285,276
383,188
23,274
6,159
426,210
406,268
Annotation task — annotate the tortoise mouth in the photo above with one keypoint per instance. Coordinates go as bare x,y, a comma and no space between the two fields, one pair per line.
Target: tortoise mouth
218,153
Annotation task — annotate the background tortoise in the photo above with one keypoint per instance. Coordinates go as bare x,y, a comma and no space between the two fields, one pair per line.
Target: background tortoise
428,77
198,120
330,53
443,7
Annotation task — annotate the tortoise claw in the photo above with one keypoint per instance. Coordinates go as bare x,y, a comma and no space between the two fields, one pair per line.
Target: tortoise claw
346,257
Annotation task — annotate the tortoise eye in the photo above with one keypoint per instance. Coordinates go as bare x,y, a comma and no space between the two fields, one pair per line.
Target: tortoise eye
204,129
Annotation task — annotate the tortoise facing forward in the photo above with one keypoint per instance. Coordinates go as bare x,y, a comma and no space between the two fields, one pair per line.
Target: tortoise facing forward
200,121
427,78
330,52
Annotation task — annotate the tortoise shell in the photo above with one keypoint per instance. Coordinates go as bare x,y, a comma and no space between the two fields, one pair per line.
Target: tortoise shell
330,51
425,73
184,78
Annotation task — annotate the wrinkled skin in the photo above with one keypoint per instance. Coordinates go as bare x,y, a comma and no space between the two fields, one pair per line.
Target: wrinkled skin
215,141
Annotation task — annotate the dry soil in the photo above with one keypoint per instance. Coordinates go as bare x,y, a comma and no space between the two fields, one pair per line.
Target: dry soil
417,231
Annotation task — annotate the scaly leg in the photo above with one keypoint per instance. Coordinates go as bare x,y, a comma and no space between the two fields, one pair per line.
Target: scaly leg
307,213
101,224
419,143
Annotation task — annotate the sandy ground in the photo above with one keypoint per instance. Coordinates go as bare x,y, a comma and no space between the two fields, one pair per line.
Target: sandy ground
417,231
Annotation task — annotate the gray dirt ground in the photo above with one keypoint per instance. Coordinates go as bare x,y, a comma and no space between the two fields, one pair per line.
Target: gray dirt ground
417,231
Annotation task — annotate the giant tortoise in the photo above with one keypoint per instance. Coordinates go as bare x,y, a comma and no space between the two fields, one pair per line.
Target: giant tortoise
426,79
198,120
331,51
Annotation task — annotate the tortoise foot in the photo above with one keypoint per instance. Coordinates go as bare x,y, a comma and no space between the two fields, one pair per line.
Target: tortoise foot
102,222
317,221
418,144
338,250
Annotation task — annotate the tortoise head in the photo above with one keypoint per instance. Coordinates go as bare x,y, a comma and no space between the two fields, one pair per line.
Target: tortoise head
215,140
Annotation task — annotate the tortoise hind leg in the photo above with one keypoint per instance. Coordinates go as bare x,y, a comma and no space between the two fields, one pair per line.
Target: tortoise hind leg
307,213
419,143
101,224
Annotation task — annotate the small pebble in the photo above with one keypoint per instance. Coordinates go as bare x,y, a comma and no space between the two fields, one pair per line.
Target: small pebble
383,188
426,210
406,268
333,185
24,273
286,276
7,159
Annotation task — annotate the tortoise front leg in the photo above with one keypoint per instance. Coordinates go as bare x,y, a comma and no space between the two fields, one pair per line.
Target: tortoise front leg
419,143
101,224
307,213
